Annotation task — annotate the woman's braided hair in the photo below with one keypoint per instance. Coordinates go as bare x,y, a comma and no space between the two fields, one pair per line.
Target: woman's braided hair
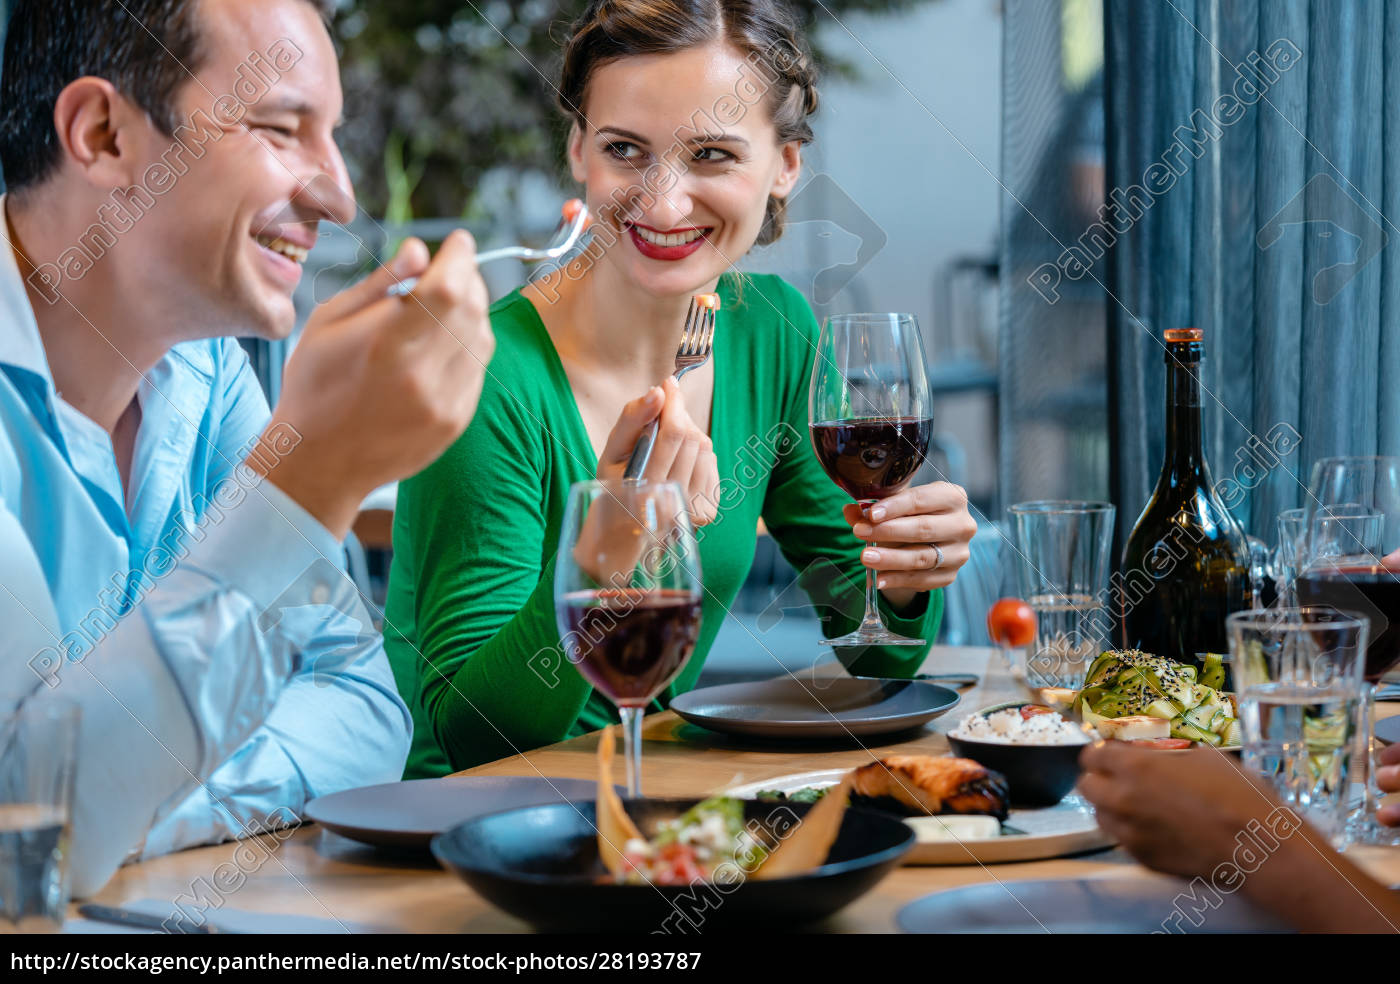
766,32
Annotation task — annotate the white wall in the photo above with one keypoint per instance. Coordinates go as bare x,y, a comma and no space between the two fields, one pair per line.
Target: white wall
929,194
914,144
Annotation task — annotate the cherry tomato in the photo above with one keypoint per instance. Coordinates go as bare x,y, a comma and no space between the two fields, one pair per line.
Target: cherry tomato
678,865
1029,711
1173,743
1010,622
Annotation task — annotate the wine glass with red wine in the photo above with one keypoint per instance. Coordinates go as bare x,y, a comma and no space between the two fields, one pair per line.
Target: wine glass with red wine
1353,523
871,421
627,595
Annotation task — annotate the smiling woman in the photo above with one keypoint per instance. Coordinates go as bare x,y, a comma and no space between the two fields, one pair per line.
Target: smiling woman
776,72
687,124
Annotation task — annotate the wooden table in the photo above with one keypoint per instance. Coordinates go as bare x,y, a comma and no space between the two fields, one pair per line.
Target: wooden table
313,872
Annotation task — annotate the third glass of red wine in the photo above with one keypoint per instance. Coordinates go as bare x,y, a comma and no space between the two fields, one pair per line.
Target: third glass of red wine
871,421
1352,529
627,594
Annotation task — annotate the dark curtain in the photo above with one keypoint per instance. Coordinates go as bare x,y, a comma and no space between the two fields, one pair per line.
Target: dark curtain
4,24
1271,236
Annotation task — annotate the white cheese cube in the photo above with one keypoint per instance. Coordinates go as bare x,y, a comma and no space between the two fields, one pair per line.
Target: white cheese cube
1137,726
954,827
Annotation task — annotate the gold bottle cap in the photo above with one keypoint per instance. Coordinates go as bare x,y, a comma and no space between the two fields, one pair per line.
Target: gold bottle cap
1184,334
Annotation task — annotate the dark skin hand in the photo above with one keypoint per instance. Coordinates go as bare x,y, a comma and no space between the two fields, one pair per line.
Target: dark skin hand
1197,814
1388,779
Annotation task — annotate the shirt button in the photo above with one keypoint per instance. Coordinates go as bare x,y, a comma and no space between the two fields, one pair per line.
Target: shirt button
320,594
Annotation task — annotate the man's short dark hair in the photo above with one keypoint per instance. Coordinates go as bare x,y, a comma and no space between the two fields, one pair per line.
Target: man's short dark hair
147,49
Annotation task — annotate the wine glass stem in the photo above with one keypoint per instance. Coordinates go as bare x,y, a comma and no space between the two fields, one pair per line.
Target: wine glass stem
1368,761
872,618
632,748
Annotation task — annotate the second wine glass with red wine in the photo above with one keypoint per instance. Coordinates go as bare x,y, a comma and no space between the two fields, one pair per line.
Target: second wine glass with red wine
627,595
1351,530
871,421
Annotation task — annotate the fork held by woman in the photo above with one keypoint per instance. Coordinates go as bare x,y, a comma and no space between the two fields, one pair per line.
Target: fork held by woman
696,343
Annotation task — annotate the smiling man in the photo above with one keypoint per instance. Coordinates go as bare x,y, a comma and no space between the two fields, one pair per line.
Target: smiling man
172,547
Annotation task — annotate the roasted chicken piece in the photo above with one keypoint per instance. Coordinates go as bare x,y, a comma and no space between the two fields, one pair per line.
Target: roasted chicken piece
926,784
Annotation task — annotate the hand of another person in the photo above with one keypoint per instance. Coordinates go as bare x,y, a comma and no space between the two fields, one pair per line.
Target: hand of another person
682,452
1388,779
379,386
1183,813
906,527
1198,815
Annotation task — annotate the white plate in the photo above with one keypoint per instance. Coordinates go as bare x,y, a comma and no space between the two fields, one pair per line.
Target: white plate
1066,828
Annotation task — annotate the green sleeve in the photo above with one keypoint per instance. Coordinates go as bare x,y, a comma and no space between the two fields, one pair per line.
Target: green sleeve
494,680
802,510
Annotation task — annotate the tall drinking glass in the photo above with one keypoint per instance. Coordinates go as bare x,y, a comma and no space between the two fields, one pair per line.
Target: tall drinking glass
871,420
627,594
1298,674
1064,552
38,758
1353,525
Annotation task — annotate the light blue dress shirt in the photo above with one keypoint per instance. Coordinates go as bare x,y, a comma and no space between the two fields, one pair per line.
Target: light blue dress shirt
226,669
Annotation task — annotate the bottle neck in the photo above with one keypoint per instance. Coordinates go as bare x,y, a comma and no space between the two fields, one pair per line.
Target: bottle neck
1185,455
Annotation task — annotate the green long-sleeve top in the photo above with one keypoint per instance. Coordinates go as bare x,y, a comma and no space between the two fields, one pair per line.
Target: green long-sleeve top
470,622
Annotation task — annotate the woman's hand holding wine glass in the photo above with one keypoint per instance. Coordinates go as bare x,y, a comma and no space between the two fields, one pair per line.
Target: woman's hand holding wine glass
924,536
870,416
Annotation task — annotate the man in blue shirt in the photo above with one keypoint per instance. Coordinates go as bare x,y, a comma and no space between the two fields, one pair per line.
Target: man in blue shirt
172,557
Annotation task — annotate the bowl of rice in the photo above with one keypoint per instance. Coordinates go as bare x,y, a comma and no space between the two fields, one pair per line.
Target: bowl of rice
1038,753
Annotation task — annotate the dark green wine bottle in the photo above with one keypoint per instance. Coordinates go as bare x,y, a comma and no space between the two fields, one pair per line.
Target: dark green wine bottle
1186,562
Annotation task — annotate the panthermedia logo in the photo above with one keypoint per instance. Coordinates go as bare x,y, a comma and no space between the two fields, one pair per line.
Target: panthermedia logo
1336,227
323,604
828,239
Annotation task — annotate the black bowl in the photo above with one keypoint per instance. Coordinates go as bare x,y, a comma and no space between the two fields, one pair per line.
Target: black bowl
541,863
1039,775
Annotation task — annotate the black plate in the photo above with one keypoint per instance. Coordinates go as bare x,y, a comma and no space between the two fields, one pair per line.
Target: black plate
541,864
827,707
411,813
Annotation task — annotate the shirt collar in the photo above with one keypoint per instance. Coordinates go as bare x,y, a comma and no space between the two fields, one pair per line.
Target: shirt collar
20,344
174,395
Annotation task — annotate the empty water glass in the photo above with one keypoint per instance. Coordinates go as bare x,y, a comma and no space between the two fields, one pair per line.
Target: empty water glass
38,756
1292,527
1298,673
1064,549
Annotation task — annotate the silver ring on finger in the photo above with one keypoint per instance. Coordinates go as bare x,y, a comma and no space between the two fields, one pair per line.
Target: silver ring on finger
938,556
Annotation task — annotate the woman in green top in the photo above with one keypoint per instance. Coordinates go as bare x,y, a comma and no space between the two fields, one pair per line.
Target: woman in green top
688,122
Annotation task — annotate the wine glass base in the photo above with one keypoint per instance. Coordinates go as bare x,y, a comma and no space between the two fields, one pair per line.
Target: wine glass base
1369,832
869,637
